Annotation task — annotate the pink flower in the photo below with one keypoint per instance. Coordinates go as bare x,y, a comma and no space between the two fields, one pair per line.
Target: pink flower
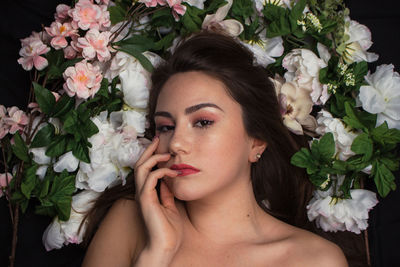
105,2
94,43
177,8
82,80
16,120
69,52
3,126
32,48
87,15
5,179
61,14
59,31
153,3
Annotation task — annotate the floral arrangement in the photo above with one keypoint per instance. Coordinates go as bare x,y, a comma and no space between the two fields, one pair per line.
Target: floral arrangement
84,128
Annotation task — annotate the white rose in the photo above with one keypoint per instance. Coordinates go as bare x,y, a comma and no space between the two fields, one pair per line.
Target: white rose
59,232
66,162
266,49
343,136
135,80
335,214
382,95
358,43
303,67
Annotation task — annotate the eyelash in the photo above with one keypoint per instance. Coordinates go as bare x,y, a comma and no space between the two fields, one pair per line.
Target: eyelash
200,123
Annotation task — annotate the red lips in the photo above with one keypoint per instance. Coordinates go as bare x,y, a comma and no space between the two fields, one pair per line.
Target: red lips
184,169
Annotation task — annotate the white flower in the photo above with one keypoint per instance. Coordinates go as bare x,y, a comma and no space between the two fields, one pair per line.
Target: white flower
303,67
114,150
266,49
358,43
335,214
343,136
216,22
382,95
295,105
39,155
197,3
135,80
66,162
59,232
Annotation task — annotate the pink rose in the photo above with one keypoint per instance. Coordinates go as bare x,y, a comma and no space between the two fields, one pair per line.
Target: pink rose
87,15
5,179
82,80
31,51
61,14
16,119
94,43
177,8
3,126
59,31
69,52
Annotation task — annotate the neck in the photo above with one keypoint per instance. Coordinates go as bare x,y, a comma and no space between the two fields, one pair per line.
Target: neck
227,217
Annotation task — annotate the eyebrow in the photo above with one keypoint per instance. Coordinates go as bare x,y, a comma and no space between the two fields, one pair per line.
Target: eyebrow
189,110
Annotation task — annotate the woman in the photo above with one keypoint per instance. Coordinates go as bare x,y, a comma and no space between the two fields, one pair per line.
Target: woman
228,195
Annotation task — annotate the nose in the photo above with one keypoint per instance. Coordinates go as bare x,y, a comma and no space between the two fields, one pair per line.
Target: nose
179,142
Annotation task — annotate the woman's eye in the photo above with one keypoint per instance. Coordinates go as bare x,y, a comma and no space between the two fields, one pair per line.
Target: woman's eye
203,123
164,128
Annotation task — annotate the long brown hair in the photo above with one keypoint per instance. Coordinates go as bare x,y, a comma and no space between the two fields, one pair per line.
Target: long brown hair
280,188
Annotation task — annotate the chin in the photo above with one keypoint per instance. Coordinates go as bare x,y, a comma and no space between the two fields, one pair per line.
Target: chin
183,190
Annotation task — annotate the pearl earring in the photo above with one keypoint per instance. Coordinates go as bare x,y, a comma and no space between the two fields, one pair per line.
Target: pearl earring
258,156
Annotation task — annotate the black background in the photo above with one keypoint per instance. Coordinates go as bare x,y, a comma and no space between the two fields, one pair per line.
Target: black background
18,18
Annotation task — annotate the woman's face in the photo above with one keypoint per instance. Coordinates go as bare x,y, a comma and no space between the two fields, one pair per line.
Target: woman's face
202,126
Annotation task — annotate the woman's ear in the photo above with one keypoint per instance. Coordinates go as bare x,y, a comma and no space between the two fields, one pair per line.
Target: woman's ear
257,149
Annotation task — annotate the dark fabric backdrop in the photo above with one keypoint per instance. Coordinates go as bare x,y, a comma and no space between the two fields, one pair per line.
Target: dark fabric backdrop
18,18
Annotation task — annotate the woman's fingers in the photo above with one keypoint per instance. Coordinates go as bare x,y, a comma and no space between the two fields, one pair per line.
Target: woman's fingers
151,180
147,152
166,196
143,170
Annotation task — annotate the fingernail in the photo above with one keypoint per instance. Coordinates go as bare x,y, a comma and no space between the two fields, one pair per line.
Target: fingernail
155,138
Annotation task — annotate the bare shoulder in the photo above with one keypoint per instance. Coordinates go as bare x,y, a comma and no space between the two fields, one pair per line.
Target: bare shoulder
119,236
313,250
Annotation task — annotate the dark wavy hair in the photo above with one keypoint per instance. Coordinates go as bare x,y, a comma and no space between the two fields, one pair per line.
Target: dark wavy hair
280,188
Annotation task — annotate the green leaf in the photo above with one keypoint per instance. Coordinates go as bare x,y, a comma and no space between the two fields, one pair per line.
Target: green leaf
29,181
58,146
117,14
318,179
44,98
89,128
103,91
242,8
346,186
140,43
81,152
63,105
296,13
44,188
362,144
327,147
165,42
303,159
391,163
71,121
190,23
384,179
360,70
20,149
131,50
383,135
351,118
44,136
61,194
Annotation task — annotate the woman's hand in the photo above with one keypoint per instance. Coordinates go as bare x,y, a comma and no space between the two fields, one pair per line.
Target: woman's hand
162,218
